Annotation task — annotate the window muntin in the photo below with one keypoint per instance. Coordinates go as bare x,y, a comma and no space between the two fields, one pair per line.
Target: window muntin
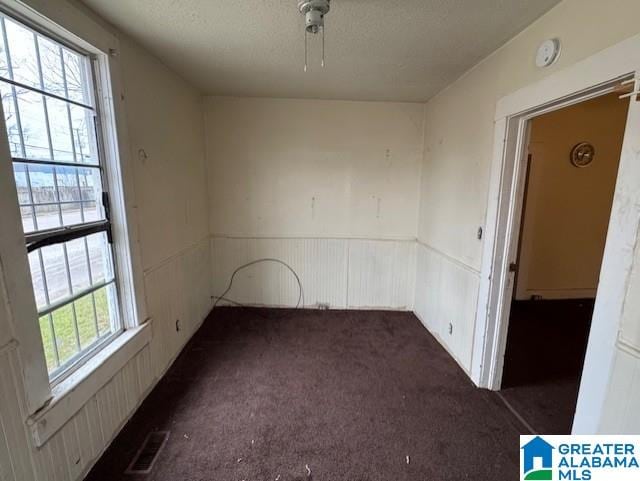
48,97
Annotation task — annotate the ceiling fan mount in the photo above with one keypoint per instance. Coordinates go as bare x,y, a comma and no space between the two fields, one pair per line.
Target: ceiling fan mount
314,12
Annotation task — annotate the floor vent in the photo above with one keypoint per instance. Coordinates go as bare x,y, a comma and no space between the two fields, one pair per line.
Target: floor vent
148,453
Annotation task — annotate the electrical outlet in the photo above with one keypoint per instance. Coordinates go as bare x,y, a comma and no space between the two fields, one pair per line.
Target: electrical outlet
323,306
450,328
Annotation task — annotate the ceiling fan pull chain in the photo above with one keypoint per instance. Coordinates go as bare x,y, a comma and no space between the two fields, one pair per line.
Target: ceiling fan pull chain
314,12
323,46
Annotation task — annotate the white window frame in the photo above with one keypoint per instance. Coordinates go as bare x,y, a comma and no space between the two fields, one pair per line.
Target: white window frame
71,26
69,366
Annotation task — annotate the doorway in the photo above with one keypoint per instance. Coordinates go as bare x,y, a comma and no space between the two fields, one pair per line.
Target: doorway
572,159
615,69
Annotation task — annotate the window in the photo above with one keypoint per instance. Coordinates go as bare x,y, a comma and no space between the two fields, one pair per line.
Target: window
51,116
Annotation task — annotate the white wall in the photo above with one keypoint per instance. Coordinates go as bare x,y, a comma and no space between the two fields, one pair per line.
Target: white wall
567,209
166,137
459,136
459,120
330,186
164,117
165,121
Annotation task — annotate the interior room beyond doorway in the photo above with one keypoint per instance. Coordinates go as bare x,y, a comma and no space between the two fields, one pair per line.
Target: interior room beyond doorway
573,158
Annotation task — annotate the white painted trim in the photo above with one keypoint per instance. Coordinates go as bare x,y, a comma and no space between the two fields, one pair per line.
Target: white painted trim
583,80
495,281
507,230
65,21
449,258
629,348
160,264
621,244
21,319
74,392
483,329
616,61
119,174
345,237
72,24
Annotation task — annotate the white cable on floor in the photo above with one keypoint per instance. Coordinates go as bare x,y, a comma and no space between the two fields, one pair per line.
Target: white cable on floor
257,261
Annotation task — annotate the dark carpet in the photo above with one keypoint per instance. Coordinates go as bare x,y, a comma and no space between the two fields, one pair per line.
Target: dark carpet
264,394
546,345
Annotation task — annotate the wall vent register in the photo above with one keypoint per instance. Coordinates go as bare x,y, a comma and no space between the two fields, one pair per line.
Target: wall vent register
147,455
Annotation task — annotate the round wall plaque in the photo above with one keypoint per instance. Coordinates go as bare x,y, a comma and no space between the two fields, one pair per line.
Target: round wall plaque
582,154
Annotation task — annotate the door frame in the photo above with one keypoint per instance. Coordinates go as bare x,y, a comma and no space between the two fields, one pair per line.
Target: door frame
590,78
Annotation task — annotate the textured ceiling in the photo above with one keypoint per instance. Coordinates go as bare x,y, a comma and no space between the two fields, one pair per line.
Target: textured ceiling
402,50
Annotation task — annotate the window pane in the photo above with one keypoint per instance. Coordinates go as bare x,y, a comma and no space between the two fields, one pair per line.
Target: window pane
59,125
90,187
22,185
92,211
51,61
47,342
100,257
43,185
37,280
27,219
77,325
58,191
74,69
34,127
83,135
106,302
87,325
68,187
71,127
47,216
22,50
4,70
65,332
84,262
55,271
11,118
72,213
78,266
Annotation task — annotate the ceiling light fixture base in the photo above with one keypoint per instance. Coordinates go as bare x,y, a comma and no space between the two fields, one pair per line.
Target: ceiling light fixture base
314,12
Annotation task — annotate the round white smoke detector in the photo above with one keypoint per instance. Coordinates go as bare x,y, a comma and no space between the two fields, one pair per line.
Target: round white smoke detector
548,52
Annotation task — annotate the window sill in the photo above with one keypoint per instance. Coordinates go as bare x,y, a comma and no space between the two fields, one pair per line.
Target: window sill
75,391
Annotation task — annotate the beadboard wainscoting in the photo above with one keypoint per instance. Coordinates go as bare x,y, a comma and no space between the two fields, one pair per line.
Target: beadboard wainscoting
335,273
445,301
178,289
